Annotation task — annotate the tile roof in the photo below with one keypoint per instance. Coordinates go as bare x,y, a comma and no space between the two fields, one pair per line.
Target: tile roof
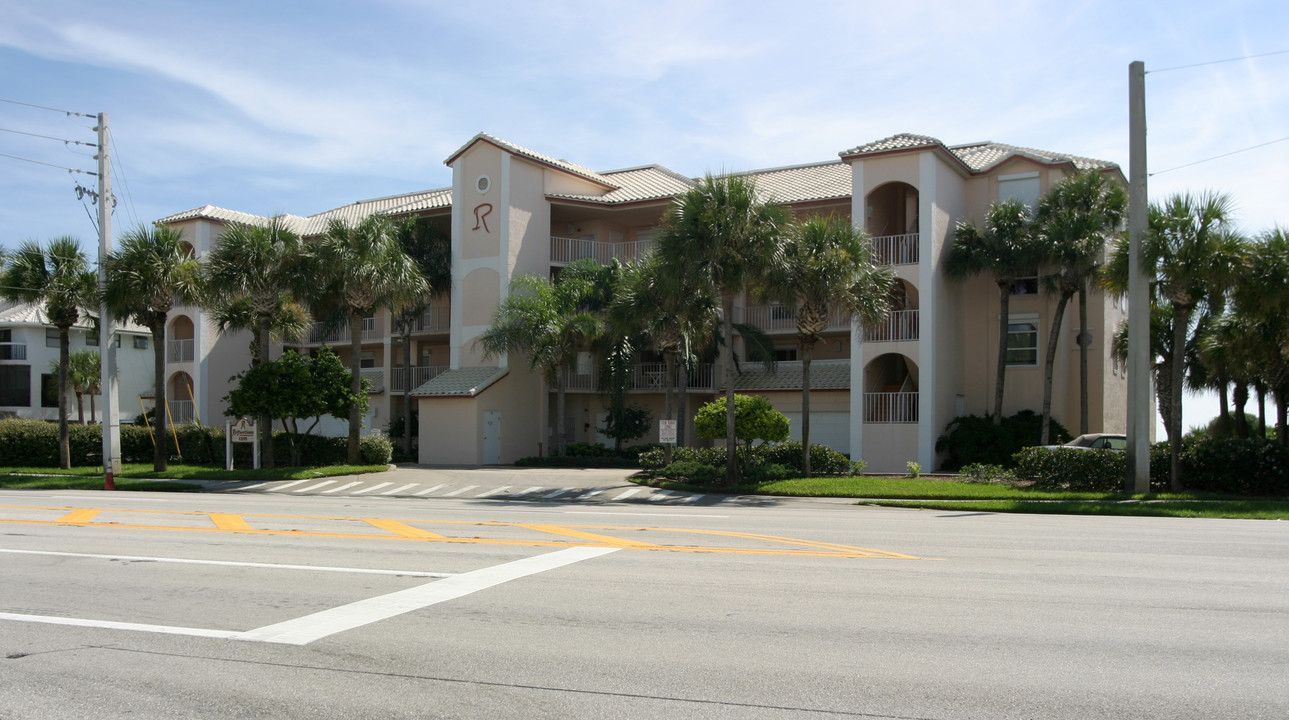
376,378
317,224
34,314
977,157
903,141
564,165
463,382
651,182
824,375
805,183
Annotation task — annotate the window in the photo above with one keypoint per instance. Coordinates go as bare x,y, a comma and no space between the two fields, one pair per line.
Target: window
366,360
49,390
140,342
15,385
1022,341
1026,285
91,338
785,354
1020,186
51,337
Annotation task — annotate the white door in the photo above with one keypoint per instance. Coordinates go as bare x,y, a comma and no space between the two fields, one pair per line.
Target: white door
601,419
491,437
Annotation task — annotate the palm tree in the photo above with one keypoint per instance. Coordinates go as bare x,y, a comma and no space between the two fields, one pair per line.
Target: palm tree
1075,221
431,250
151,273
726,235
1196,259
1262,296
550,322
827,262
1005,248
254,276
83,371
59,276
365,265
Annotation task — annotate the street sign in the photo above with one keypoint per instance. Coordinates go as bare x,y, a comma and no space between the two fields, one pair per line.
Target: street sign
667,432
243,431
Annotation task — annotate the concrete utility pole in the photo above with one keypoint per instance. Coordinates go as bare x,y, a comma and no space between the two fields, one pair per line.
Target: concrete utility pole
107,340
1138,480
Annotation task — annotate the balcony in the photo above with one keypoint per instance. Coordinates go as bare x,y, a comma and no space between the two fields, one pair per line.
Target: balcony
13,351
181,412
420,375
373,329
899,326
777,318
891,407
566,250
435,319
180,351
646,377
895,249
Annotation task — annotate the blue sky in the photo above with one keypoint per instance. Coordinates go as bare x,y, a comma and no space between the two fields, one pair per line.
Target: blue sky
300,107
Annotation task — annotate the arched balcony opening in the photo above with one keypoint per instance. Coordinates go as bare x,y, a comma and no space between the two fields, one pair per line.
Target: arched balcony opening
901,324
180,340
891,389
891,219
179,396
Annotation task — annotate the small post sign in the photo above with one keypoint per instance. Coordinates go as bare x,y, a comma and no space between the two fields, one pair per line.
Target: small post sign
244,431
667,432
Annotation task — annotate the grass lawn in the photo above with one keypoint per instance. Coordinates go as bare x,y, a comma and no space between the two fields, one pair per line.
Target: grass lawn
140,476
976,497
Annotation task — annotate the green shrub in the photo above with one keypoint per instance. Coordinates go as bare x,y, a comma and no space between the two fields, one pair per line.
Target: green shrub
988,474
770,472
1069,469
654,458
1236,466
693,472
974,439
374,449
588,450
823,459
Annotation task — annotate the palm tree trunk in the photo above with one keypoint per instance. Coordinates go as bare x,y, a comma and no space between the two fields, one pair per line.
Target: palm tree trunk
1053,337
561,440
1262,409
80,406
1181,322
267,458
1282,416
1222,404
727,373
682,404
807,354
64,357
1000,376
1084,338
355,380
669,371
1240,398
160,458
407,390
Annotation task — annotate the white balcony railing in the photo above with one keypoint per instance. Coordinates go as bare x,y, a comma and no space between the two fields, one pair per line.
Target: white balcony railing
649,377
566,250
900,325
13,351
777,318
178,351
437,318
896,249
891,407
420,375
373,329
181,412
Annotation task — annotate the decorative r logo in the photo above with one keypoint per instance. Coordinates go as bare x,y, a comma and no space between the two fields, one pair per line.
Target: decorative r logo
482,219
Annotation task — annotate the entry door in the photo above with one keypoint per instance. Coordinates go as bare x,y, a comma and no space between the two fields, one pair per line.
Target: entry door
491,437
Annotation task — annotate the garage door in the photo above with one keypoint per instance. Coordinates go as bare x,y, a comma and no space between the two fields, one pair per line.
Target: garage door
826,428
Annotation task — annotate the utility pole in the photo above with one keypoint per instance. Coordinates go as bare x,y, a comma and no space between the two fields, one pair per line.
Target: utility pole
107,340
1138,479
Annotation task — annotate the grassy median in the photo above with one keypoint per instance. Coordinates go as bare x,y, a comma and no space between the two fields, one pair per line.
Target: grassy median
141,476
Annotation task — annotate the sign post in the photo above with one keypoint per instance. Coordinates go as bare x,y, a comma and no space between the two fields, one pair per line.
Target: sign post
243,431
667,432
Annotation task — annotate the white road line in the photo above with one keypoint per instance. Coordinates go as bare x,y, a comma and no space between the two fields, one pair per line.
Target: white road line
557,493
138,627
324,483
251,487
592,494
377,486
661,495
627,494
458,491
493,491
302,631
427,491
693,498
532,489
346,486
293,483
399,490
231,563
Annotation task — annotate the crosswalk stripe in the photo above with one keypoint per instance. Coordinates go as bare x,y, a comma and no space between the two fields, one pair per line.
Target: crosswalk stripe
293,483
373,487
532,489
660,495
493,491
458,491
693,498
252,487
627,494
557,493
593,493
324,483
399,490
427,491
338,488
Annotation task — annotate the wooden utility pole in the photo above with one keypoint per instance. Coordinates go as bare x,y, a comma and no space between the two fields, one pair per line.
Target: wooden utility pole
107,326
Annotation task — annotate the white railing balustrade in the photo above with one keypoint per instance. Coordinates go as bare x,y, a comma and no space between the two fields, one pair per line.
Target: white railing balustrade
178,351
566,250
900,325
437,318
891,407
421,374
777,318
13,351
896,249
650,377
181,412
373,329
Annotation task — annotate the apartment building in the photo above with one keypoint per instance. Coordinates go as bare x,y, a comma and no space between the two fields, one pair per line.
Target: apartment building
883,393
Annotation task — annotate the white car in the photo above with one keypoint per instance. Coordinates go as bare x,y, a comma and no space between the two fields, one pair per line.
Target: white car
1094,441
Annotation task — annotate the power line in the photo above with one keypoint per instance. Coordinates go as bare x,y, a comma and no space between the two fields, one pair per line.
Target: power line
119,168
37,162
42,107
48,137
1217,62
1216,157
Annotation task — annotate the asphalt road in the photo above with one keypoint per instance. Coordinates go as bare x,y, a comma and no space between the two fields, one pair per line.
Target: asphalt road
324,606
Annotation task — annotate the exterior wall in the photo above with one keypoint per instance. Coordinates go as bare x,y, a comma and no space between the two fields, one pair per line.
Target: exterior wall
134,367
450,431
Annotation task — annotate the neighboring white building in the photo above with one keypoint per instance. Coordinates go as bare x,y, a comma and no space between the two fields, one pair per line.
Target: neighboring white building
29,365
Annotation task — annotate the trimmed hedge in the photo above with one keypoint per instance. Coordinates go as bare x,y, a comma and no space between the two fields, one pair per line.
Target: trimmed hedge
1069,469
972,439
769,461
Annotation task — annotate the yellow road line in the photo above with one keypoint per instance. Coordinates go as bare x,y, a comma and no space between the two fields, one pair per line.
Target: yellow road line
79,516
603,539
402,529
225,521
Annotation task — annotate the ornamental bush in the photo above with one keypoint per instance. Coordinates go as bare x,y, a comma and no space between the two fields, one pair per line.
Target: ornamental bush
1069,469
693,472
974,439
1237,466
374,449
823,459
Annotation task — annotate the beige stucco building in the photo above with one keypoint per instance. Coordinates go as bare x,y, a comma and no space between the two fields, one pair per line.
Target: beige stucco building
883,393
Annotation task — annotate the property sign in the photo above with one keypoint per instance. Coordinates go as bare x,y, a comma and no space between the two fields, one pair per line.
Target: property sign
667,431
242,431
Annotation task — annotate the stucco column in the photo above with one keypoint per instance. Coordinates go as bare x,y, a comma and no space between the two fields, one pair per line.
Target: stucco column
928,297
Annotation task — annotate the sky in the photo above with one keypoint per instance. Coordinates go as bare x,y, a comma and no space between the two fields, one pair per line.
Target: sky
301,106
